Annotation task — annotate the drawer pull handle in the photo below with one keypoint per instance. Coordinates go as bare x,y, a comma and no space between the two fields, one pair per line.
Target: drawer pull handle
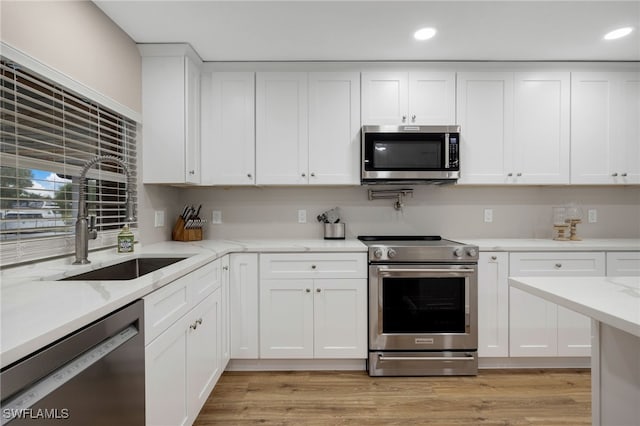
494,257
558,265
313,266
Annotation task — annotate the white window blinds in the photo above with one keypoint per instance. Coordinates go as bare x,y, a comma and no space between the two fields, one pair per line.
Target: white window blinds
47,135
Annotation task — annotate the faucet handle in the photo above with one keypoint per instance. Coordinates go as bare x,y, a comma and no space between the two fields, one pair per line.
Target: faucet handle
92,222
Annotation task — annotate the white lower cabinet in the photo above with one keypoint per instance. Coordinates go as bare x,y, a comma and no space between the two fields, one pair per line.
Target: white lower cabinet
307,310
493,304
184,360
204,352
243,302
623,264
541,328
225,278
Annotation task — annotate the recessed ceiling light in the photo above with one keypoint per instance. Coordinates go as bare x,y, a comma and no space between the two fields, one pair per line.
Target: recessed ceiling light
620,32
424,33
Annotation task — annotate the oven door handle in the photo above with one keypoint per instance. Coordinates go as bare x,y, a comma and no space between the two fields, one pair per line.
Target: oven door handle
425,358
394,271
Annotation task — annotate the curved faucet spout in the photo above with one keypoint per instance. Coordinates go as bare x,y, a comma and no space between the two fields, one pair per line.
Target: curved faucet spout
85,229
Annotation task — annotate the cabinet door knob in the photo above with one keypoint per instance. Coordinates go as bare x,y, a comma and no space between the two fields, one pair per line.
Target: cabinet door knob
509,174
304,175
413,118
249,175
614,174
313,266
192,172
193,326
558,265
494,257
225,268
519,174
318,290
313,174
623,174
404,118
308,290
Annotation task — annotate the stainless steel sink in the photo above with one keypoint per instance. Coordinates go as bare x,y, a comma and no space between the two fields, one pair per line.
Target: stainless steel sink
127,270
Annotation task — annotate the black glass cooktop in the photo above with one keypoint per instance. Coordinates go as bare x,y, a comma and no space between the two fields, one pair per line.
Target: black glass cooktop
399,238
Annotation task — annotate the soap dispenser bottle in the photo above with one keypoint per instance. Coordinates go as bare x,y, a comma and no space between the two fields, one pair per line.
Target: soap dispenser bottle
125,240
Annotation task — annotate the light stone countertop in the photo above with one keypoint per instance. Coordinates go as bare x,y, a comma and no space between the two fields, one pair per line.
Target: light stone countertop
531,244
614,301
37,310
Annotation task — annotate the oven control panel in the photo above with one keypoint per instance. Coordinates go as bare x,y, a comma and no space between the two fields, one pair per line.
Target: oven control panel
463,253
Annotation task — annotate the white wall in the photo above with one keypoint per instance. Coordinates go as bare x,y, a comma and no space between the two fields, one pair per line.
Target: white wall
453,211
79,40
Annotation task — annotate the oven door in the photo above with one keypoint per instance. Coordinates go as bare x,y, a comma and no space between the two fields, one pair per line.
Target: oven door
418,307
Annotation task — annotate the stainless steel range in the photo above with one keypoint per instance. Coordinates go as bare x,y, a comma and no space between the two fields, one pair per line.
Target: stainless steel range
423,306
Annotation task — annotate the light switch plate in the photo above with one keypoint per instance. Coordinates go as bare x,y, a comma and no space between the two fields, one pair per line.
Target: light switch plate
592,215
302,216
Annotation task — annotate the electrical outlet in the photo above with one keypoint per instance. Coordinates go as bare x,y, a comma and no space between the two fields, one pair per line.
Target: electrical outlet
488,215
158,221
216,217
302,216
593,215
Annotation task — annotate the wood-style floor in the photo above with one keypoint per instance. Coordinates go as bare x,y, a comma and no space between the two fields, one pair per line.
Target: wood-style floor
494,397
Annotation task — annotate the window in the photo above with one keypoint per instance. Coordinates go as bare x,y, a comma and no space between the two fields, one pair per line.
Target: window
48,134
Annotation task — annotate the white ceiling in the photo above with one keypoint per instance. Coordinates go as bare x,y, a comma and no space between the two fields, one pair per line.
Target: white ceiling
383,30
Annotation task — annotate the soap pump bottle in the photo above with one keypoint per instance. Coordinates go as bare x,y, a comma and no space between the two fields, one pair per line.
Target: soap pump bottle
125,240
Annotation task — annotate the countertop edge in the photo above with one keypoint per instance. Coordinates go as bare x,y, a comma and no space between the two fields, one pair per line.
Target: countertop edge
526,284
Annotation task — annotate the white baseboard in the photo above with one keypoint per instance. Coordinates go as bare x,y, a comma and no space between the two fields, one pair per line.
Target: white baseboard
296,364
534,362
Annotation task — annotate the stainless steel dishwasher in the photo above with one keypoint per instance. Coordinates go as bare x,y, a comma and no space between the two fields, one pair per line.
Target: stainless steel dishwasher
94,376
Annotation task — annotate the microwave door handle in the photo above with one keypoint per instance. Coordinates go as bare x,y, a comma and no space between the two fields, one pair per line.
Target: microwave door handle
446,150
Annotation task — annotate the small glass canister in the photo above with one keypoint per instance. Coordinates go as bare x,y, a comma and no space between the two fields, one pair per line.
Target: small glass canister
560,225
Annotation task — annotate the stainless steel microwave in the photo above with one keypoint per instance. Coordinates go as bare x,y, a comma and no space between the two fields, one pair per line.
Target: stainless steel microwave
410,154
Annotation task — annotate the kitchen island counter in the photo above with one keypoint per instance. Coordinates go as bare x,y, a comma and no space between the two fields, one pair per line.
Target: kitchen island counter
613,303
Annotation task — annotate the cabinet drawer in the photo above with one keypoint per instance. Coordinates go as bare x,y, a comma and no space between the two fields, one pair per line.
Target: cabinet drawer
165,306
313,265
204,281
557,264
625,263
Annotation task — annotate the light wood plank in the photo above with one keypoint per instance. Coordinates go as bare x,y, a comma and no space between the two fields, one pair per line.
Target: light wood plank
494,397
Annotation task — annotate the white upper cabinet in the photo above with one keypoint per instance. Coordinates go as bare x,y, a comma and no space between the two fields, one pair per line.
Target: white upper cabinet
485,115
228,128
514,127
408,98
307,128
605,129
281,128
171,115
541,128
334,128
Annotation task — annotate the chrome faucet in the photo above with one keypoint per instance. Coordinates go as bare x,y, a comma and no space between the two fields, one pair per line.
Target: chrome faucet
86,229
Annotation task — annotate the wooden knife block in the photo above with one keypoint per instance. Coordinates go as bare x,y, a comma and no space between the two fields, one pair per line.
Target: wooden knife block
180,233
